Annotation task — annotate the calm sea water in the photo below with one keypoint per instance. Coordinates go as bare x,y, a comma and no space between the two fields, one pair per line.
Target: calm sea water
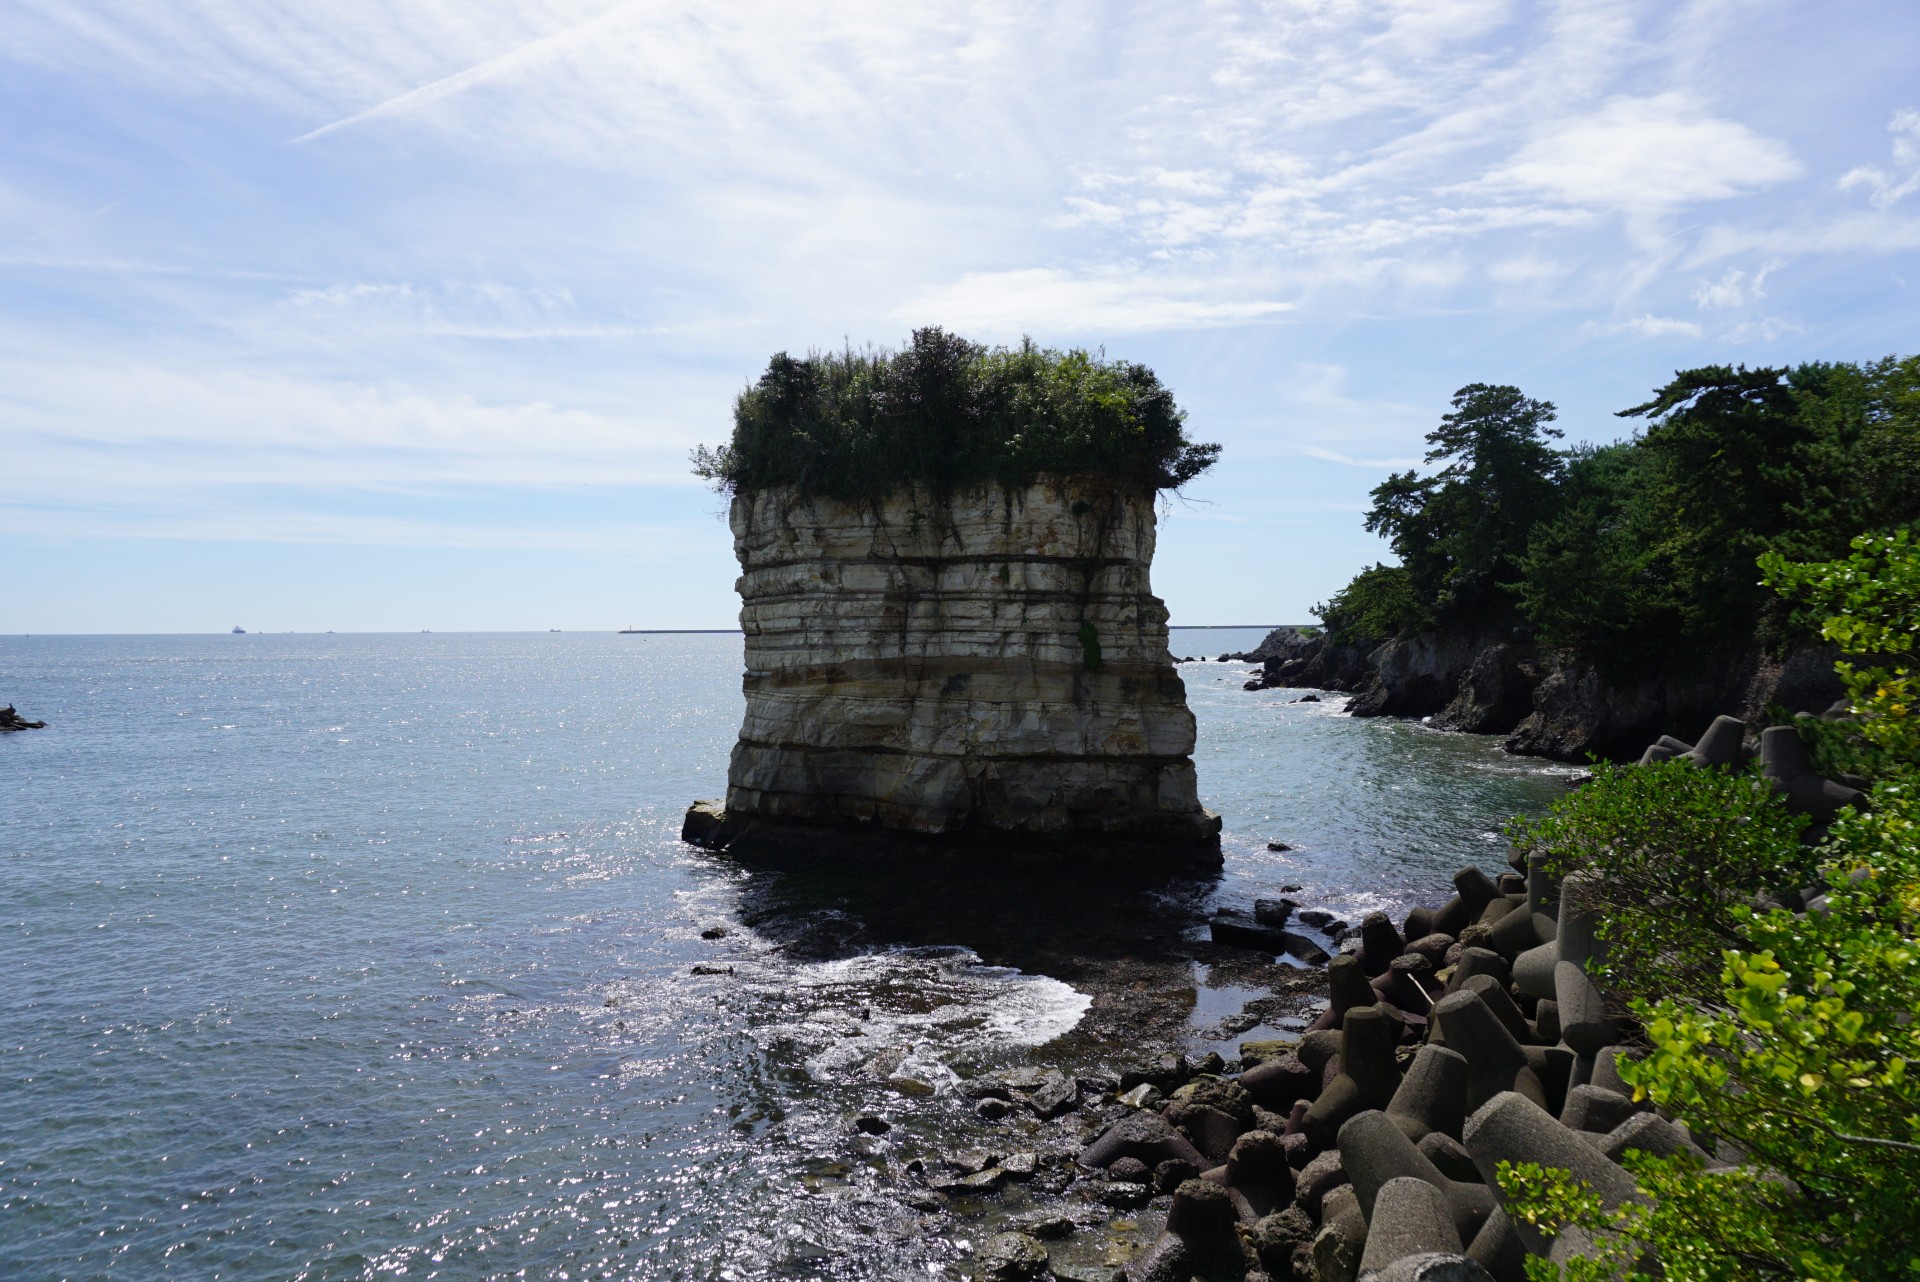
368,956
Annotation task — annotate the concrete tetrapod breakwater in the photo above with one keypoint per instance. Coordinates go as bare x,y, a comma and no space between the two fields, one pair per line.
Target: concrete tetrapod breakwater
942,667
1434,1063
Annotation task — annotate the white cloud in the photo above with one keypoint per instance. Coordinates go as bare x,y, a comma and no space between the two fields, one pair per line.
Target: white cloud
451,309
1526,270
1649,154
1734,288
1044,300
1764,329
1646,326
1889,187
111,432
1373,464
1861,233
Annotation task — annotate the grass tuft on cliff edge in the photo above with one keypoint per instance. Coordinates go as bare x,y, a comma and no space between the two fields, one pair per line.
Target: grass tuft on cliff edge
950,413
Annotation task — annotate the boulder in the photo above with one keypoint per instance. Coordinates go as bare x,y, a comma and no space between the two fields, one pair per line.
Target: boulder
1234,929
1010,1257
1274,1239
705,825
1316,1180
1257,1169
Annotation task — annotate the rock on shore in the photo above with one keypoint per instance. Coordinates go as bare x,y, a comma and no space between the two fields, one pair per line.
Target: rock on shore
1547,703
944,663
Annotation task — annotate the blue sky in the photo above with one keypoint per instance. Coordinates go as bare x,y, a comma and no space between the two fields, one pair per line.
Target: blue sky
364,315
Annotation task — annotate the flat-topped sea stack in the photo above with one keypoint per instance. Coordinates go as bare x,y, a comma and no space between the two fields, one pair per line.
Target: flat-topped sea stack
975,663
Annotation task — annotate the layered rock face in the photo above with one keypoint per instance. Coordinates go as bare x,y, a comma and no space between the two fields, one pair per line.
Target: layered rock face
984,662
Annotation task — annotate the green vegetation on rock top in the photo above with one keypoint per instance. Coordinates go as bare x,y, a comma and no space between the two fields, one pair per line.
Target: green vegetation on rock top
946,412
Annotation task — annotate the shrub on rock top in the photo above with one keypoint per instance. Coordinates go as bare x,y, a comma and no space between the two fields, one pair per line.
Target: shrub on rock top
946,412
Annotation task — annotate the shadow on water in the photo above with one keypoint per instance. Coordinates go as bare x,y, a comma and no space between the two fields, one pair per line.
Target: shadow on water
1134,944
1050,922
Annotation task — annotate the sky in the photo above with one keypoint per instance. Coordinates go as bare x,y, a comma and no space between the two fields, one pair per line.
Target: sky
367,316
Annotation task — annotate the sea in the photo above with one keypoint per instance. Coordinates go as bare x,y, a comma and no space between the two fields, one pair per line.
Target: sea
372,956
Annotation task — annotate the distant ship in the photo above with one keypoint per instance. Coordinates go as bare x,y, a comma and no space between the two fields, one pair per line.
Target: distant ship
239,631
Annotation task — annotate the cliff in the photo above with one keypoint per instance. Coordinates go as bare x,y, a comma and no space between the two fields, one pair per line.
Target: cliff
988,662
1493,681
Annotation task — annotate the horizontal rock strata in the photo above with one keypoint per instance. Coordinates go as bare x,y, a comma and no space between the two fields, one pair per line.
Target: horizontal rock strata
992,661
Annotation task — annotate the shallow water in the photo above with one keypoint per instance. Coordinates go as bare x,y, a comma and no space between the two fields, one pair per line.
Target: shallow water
368,956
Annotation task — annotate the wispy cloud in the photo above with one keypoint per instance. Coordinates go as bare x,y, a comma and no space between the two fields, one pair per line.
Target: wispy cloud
113,433
1647,326
449,309
1048,300
520,245
1887,187
1371,464
1648,154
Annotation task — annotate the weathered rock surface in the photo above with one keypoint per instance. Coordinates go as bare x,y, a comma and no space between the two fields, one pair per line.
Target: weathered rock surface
1490,680
988,661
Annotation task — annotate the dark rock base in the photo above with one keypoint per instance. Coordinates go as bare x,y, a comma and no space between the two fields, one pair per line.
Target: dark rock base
1187,845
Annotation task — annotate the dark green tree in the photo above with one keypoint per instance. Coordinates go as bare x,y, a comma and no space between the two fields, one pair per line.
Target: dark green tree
1460,531
1749,461
946,412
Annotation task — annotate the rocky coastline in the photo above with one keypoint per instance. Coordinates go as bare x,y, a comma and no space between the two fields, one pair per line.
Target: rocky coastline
1546,703
1359,1142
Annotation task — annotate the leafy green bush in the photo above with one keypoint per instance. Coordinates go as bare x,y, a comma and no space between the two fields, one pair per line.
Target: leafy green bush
1676,852
1379,603
947,412
1874,600
1801,1059
1803,1064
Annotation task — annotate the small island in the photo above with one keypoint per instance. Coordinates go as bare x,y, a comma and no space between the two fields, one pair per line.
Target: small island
950,631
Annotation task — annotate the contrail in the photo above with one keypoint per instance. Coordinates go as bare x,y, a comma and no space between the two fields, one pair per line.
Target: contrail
459,80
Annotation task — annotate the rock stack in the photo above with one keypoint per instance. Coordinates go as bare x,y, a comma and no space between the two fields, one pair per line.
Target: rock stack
954,666
1464,1036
